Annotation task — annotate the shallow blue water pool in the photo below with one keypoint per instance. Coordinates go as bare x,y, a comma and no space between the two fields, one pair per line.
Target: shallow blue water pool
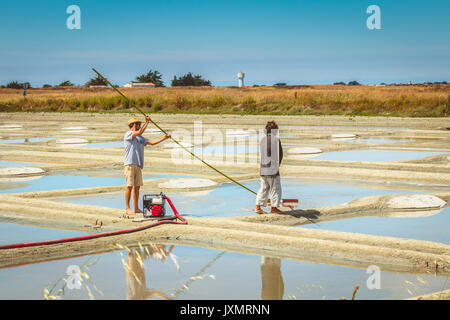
430,228
374,155
256,278
231,200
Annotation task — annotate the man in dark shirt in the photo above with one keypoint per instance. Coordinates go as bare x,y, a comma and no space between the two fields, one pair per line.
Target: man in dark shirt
271,156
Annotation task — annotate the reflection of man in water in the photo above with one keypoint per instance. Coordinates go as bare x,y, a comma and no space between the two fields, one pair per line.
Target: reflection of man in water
272,280
135,273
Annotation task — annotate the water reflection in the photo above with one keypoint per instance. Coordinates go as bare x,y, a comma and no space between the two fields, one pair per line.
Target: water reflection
237,276
135,272
272,279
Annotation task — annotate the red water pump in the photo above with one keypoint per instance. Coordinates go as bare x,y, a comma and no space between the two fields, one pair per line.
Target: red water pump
154,205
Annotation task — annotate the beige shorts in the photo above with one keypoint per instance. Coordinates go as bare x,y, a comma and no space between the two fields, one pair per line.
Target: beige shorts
133,174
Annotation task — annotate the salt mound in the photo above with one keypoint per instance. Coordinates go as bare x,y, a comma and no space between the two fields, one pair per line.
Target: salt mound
416,201
71,141
12,171
75,128
11,126
305,150
187,183
343,136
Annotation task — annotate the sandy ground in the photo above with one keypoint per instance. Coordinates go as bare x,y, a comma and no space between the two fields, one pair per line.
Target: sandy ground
268,235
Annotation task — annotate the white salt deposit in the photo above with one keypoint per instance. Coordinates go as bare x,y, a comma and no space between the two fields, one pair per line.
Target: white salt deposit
187,183
343,135
11,127
75,128
13,171
416,201
304,150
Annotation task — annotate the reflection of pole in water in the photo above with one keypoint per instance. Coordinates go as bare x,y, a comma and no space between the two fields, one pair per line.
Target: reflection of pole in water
135,273
272,279
196,276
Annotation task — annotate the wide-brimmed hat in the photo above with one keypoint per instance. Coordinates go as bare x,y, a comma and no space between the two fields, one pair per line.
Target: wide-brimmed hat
133,120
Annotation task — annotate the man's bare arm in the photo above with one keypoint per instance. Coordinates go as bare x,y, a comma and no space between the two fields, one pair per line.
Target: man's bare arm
153,142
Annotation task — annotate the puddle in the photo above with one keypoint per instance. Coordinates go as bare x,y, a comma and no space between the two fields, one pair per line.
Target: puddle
208,274
75,181
117,172
13,233
5,163
230,200
431,228
57,182
374,155
26,140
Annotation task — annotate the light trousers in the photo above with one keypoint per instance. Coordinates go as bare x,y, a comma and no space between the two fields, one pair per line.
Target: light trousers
270,185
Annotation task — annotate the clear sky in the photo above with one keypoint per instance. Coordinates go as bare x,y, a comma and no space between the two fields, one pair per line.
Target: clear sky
297,42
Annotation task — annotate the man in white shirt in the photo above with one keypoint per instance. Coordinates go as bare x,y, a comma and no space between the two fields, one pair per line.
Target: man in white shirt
134,144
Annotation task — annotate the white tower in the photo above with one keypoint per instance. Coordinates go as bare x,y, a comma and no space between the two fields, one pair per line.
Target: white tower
241,76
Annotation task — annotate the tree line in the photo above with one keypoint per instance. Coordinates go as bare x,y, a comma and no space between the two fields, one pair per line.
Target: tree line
153,76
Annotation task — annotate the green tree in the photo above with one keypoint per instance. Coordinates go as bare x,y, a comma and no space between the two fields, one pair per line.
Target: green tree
47,85
66,83
14,85
98,81
189,80
151,76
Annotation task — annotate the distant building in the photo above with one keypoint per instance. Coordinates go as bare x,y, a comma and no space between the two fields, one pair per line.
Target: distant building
139,85
241,76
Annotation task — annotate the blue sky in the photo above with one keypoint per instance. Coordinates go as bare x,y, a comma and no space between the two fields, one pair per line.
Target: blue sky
297,42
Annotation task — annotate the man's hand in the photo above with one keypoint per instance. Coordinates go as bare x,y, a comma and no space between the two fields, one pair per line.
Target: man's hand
168,136
147,119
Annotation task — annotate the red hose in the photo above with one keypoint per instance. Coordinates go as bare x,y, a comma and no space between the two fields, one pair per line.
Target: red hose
99,235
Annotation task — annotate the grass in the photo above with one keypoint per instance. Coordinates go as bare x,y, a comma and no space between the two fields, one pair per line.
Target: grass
400,101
